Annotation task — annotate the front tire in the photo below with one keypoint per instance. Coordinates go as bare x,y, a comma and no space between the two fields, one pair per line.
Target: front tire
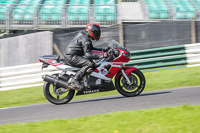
138,84
52,94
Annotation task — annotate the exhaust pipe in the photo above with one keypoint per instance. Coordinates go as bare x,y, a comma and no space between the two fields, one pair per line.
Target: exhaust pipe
55,81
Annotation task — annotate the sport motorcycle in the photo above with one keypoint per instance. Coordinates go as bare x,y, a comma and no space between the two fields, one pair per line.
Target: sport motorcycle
109,74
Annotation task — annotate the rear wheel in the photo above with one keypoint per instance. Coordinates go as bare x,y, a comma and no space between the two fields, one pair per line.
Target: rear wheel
57,95
138,84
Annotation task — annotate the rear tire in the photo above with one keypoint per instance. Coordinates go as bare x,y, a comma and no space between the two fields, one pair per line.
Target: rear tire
138,84
54,98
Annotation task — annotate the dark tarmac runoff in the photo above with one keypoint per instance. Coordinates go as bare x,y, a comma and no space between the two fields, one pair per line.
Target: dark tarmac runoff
100,105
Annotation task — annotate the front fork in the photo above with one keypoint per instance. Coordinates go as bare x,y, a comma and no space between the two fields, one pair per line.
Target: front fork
126,77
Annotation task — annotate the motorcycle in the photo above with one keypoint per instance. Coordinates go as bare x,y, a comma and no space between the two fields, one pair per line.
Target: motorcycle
109,74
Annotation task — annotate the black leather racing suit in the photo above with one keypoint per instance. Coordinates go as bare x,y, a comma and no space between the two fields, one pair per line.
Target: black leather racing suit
81,46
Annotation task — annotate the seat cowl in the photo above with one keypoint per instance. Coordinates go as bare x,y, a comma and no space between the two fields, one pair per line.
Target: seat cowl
53,57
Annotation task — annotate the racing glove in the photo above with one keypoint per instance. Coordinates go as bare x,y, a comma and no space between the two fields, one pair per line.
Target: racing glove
105,49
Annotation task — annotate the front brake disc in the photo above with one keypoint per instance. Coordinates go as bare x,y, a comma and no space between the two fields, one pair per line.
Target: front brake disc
133,80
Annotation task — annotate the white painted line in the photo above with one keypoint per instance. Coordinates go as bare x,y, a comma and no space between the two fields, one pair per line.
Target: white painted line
194,65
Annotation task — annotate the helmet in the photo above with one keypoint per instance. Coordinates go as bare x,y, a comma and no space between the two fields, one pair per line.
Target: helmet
94,30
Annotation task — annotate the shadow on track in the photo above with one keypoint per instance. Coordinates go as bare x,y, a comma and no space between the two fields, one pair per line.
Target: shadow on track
118,97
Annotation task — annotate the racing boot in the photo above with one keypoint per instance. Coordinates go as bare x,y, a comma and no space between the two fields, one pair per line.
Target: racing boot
75,84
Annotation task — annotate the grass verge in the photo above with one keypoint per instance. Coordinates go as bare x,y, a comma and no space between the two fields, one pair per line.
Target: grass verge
182,119
157,80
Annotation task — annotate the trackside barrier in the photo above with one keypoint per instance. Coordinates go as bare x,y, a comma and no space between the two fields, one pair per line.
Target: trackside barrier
23,76
165,56
30,75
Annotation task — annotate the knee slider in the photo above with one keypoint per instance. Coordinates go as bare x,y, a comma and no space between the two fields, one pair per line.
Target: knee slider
91,64
90,67
89,70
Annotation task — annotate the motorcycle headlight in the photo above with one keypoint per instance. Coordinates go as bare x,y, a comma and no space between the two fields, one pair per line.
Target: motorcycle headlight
127,55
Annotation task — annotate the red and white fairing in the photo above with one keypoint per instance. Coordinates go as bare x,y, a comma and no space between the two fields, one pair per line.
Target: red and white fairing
106,70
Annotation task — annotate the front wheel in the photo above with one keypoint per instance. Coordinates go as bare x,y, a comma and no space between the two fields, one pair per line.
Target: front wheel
57,95
138,84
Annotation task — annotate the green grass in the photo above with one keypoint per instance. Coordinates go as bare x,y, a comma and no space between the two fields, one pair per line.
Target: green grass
157,80
173,78
182,119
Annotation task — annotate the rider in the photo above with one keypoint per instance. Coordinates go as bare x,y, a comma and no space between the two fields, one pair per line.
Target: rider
78,52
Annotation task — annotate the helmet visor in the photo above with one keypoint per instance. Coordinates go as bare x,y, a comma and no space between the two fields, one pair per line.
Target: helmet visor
96,32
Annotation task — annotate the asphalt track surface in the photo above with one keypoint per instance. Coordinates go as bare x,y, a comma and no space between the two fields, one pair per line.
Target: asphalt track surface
101,105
